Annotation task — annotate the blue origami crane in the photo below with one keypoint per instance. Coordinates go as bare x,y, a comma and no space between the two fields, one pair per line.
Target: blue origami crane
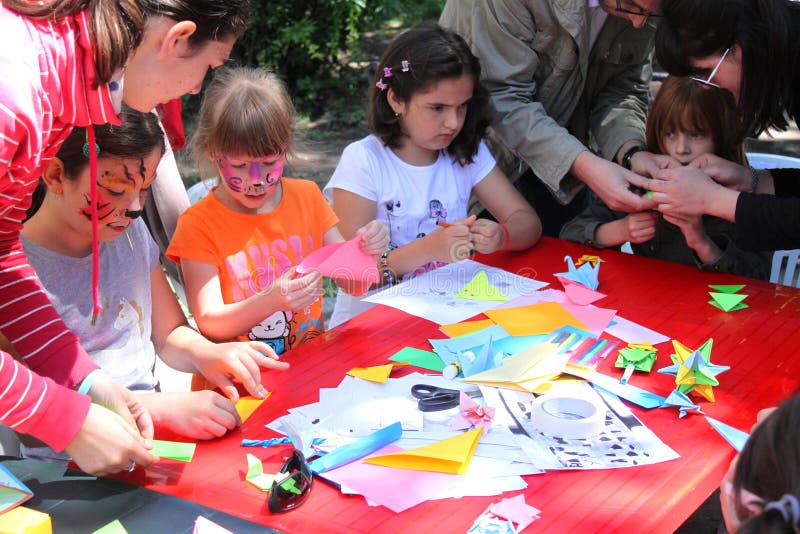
585,275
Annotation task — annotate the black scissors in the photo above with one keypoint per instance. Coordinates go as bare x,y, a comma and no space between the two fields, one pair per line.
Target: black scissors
433,399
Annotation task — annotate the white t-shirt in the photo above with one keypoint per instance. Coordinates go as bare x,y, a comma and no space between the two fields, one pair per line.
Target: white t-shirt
410,200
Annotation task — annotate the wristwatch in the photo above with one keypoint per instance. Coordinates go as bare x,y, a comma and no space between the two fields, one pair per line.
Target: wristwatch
626,158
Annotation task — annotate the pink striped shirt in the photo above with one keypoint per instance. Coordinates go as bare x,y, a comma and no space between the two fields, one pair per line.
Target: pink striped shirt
47,79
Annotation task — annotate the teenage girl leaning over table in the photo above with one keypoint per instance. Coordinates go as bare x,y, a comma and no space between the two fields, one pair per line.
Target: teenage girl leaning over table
425,156
686,122
73,61
239,246
750,48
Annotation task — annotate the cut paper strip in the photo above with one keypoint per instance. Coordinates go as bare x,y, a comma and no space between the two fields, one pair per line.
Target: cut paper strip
638,396
451,455
12,491
174,450
582,295
206,526
376,373
535,319
727,288
115,527
255,474
479,288
245,406
732,435
343,261
465,327
358,449
728,301
419,358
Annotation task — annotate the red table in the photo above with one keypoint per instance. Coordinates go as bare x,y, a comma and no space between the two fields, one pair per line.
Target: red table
759,343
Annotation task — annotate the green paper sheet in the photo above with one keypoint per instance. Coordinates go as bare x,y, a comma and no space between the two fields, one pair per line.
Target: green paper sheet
174,450
728,301
420,358
115,527
727,288
479,288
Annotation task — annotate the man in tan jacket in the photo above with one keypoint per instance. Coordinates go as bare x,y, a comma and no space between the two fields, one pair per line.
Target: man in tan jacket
565,75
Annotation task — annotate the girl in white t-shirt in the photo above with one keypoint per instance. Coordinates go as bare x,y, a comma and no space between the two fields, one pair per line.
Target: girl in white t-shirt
415,173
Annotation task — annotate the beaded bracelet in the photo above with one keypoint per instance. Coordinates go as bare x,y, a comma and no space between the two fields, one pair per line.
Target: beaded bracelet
755,176
388,276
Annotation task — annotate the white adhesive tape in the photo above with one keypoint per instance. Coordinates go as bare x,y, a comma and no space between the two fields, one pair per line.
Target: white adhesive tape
567,417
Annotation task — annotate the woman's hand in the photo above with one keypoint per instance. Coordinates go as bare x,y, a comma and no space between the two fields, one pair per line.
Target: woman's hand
220,363
107,444
109,394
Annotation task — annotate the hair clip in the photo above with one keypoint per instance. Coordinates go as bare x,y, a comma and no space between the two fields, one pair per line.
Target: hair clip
380,85
406,66
387,72
86,146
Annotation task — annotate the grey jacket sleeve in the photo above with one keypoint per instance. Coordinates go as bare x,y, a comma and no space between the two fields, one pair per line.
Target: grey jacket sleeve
582,228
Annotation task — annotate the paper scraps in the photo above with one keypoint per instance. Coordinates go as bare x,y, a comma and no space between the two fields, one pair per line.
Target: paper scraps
245,406
206,526
479,288
174,450
693,369
586,275
376,373
734,436
451,455
472,414
727,297
509,515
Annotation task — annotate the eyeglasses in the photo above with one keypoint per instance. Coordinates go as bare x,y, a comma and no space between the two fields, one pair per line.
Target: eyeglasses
638,12
292,485
708,81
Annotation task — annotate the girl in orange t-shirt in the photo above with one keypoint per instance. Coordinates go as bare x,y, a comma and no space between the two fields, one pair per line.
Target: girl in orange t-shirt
239,246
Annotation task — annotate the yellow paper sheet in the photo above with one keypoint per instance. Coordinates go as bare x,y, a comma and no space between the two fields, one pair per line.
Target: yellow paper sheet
529,370
451,455
534,319
377,373
22,520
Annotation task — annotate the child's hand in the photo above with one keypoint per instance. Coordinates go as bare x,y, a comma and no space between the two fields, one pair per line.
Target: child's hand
242,360
290,293
691,226
193,414
640,227
487,236
375,238
454,242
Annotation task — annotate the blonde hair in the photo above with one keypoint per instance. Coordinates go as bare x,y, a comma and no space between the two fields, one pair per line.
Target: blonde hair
245,111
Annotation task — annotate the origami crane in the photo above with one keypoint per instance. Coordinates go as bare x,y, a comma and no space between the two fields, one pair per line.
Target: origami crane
693,369
586,274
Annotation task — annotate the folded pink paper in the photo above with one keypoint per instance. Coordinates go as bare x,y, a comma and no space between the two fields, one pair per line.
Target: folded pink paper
342,261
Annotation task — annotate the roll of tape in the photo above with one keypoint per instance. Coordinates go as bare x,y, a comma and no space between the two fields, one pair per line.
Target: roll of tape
567,417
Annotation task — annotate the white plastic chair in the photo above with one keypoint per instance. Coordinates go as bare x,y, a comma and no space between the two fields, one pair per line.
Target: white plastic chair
784,262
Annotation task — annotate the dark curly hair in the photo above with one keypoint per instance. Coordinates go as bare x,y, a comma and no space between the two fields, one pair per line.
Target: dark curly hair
433,53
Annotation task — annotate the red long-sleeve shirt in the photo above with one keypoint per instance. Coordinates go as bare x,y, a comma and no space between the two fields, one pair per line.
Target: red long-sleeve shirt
46,87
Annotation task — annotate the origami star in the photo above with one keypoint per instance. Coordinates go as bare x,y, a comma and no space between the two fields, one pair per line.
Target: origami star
693,369
594,260
586,274
683,403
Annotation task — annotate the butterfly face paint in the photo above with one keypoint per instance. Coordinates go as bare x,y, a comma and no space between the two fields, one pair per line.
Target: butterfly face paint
251,176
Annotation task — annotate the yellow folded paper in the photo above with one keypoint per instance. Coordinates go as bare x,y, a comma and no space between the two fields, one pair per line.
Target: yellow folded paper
451,455
528,370
23,520
465,327
377,373
247,405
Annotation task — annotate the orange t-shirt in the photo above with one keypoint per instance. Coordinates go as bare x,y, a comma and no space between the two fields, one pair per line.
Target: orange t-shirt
251,250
